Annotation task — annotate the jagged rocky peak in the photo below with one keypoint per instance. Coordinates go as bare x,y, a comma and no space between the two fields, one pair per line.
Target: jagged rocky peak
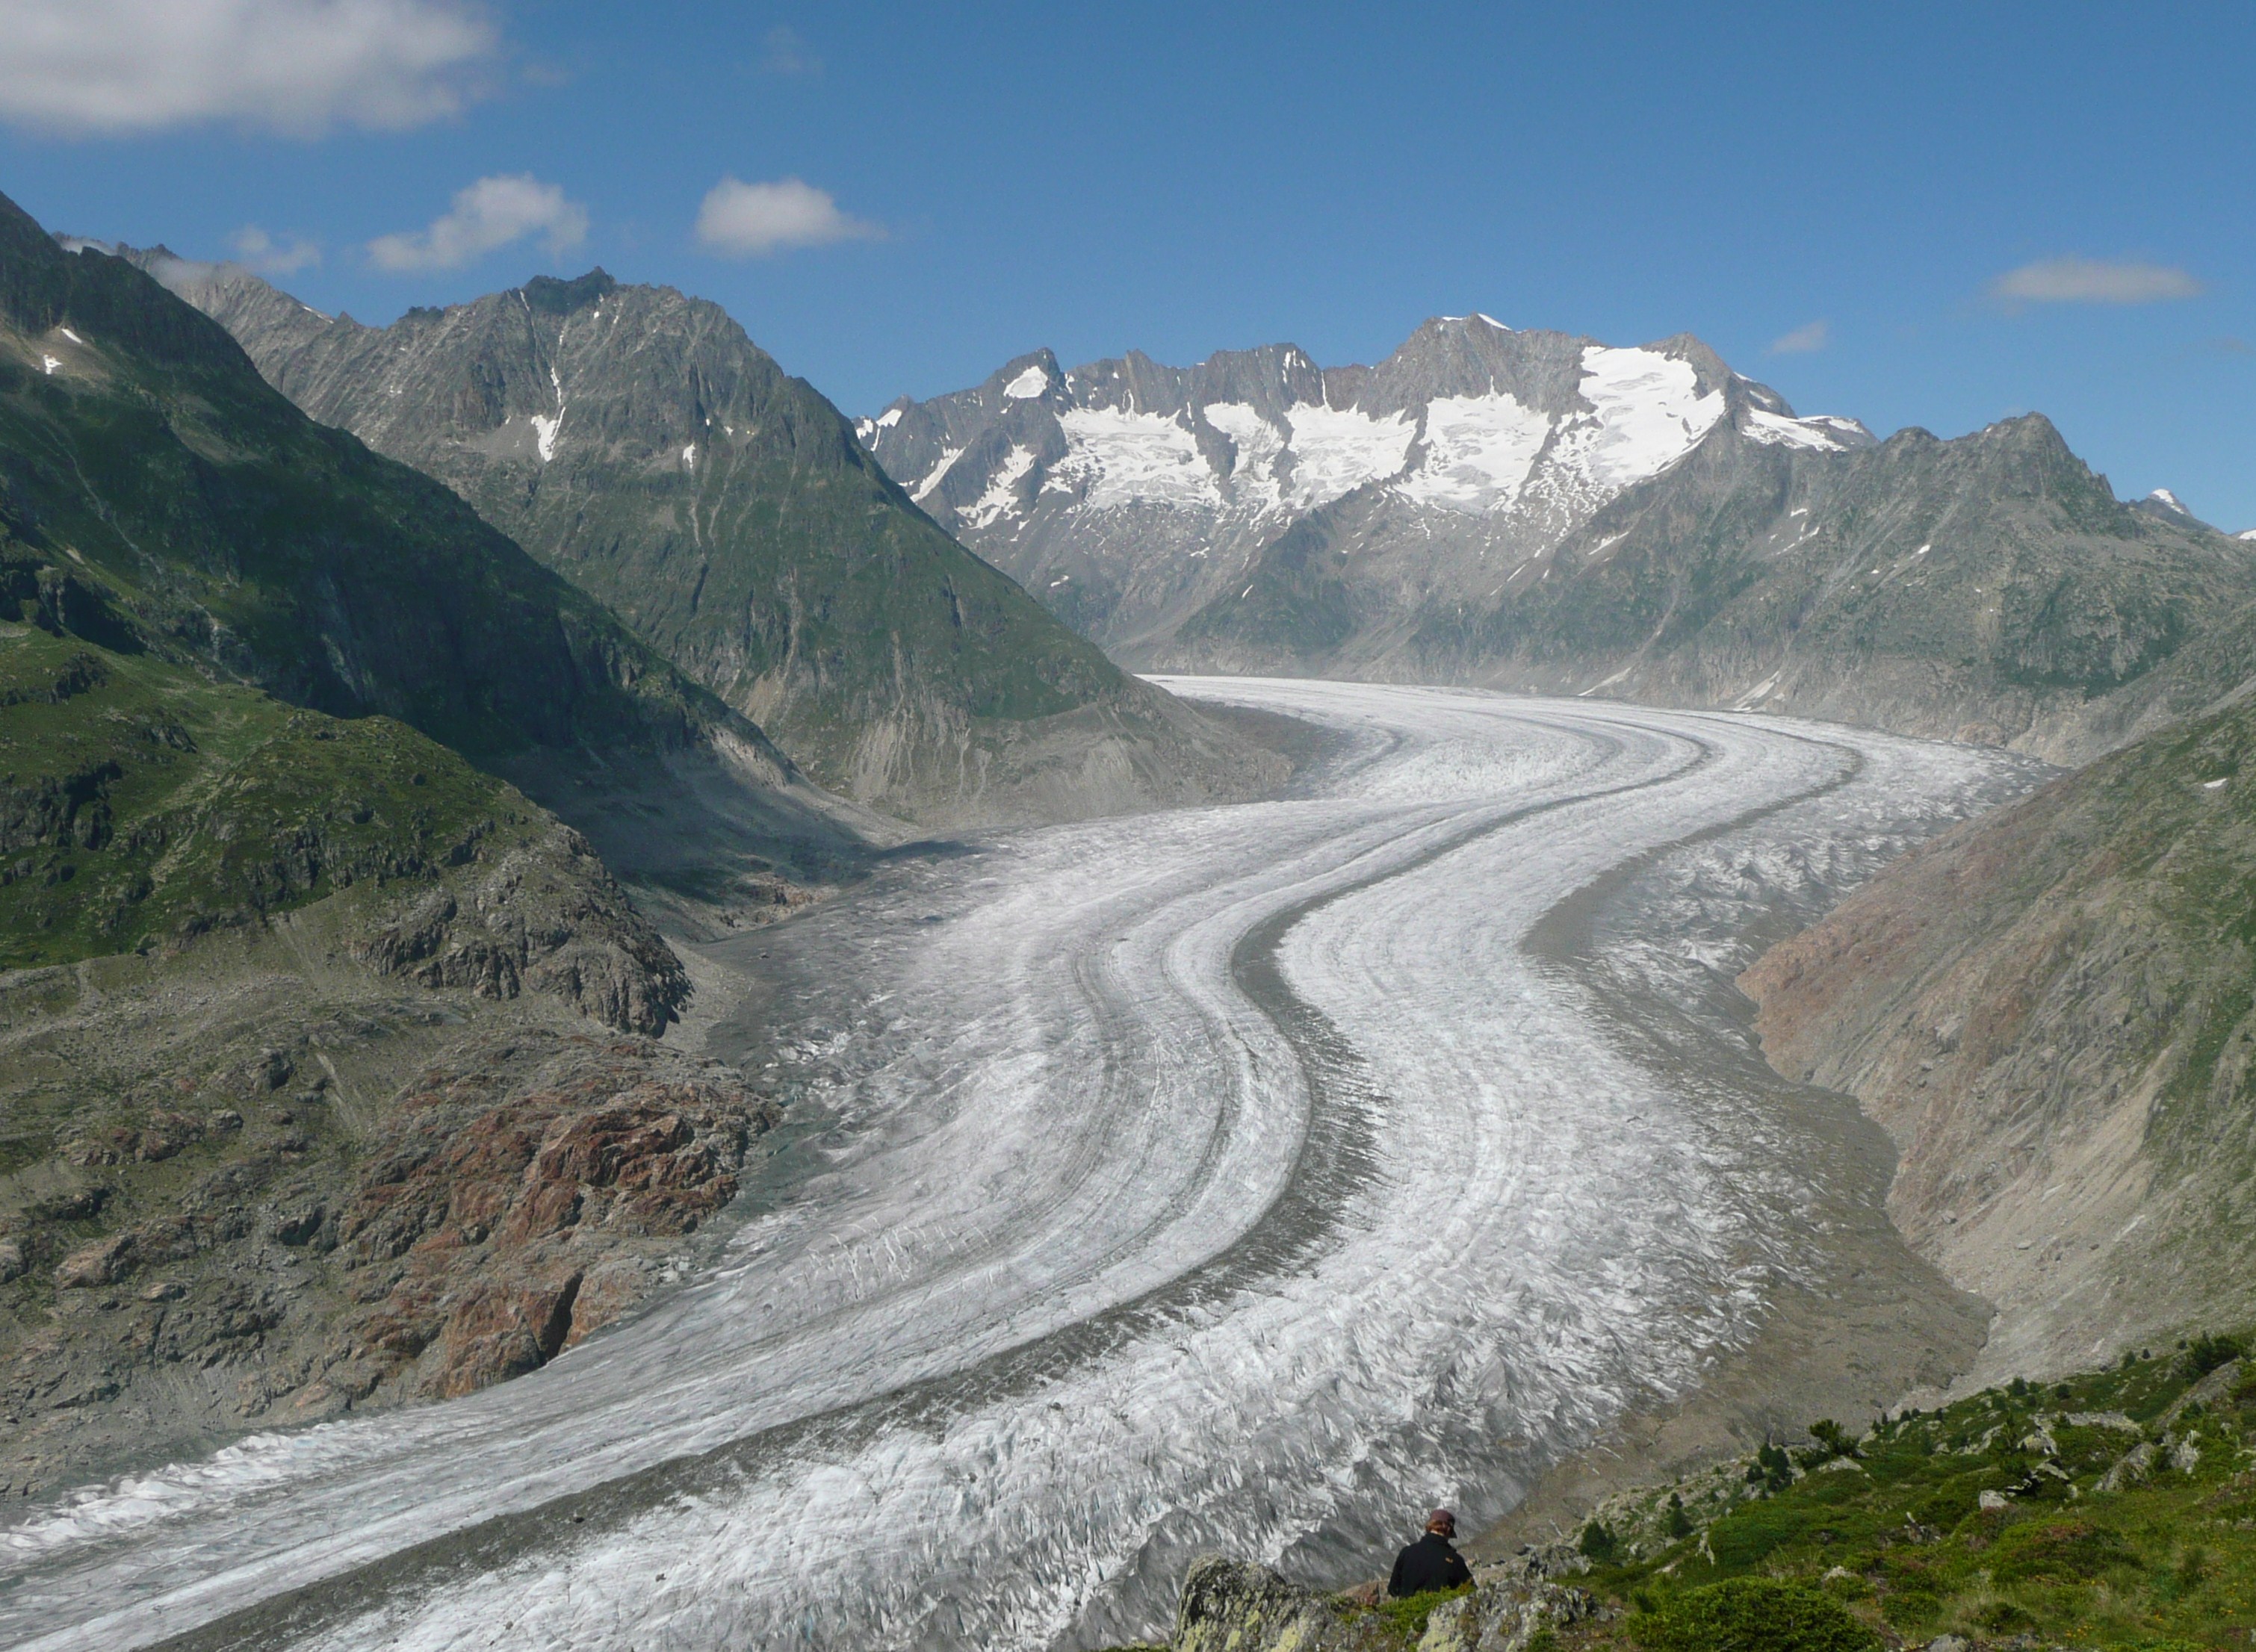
551,296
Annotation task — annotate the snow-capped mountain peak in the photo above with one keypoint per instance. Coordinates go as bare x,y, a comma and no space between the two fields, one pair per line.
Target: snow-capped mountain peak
1470,429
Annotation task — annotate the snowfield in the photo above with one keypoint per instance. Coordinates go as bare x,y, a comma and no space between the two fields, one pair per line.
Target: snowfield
1241,1177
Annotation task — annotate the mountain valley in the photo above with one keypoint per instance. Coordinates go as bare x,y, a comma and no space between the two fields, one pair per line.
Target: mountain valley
462,905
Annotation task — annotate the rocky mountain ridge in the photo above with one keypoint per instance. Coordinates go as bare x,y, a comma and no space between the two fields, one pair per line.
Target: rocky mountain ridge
1534,510
636,441
1494,441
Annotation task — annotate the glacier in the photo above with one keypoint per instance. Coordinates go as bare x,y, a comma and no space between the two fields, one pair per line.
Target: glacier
1229,1177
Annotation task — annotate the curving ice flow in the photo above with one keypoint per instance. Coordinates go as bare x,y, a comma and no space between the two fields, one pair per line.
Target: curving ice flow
1229,1177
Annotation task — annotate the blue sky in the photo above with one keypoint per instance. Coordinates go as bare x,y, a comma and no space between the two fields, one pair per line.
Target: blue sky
973,182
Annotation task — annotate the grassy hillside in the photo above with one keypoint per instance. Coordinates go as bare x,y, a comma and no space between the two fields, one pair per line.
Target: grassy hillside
143,804
2115,1507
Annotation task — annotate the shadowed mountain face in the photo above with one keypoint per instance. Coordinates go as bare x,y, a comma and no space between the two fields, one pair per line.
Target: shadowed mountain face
1532,509
636,441
156,495
140,448
2050,1010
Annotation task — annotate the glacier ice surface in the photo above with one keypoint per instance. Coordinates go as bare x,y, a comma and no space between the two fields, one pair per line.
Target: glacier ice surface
1228,1177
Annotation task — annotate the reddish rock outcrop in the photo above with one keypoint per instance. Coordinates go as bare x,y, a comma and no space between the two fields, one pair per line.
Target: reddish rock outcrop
482,1223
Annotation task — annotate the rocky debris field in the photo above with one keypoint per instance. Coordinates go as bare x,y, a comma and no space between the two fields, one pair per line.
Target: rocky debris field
273,1244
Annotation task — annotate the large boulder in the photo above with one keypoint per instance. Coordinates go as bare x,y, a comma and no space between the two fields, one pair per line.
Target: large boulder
1231,1605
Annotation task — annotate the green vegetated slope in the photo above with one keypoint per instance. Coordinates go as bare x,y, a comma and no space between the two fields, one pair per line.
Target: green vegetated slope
142,807
237,637
157,495
143,804
638,442
1988,587
2053,1010
2113,1509
136,441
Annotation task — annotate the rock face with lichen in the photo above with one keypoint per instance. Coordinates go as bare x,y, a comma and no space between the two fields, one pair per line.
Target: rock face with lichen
1231,1605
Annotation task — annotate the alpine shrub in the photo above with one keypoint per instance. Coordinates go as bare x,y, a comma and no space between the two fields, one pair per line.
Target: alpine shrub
2205,1355
1750,1614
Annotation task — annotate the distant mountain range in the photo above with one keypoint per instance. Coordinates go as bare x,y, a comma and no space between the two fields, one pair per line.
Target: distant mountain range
636,441
1532,509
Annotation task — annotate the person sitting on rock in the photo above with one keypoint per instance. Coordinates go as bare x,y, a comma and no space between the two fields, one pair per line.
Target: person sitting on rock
1432,1562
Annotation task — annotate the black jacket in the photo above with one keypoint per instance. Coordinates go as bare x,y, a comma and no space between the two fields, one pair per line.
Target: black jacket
1428,1563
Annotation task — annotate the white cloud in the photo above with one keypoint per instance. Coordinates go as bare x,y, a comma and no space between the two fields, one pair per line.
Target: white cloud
183,276
116,67
788,53
2073,280
491,214
1814,336
752,219
262,252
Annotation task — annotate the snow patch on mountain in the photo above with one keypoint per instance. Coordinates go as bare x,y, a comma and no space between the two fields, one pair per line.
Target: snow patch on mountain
923,489
1002,495
1649,414
1479,449
1032,382
1337,450
1822,434
1124,458
1253,482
